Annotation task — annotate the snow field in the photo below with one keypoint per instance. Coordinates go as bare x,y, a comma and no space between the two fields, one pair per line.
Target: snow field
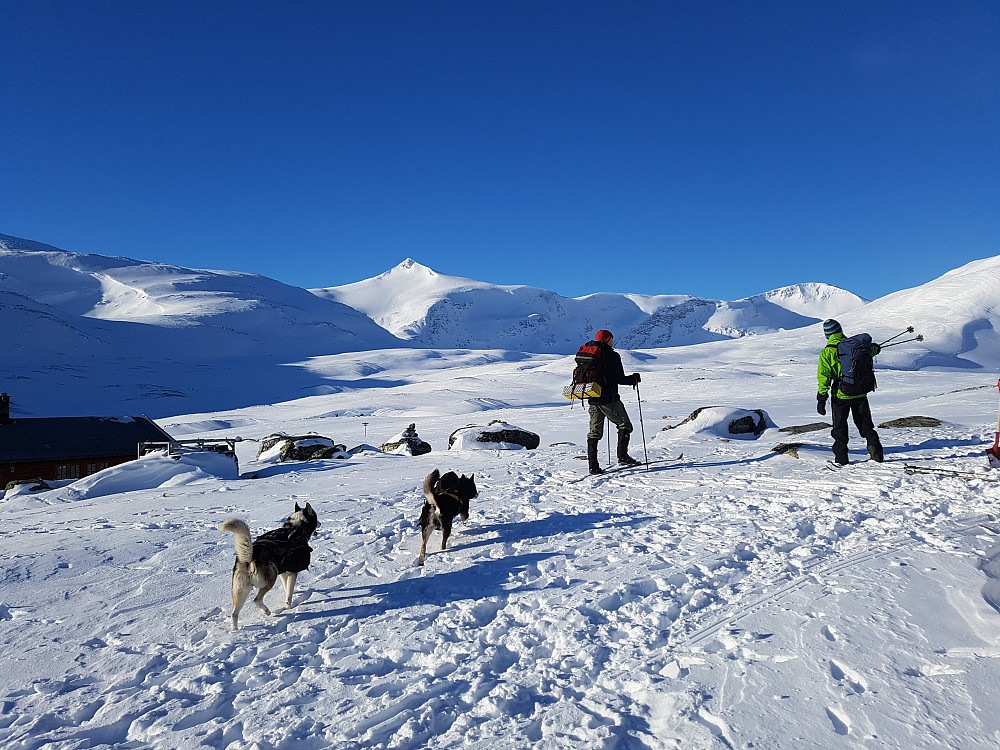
732,598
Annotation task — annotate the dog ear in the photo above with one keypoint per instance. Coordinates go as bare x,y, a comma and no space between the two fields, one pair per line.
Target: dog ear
297,508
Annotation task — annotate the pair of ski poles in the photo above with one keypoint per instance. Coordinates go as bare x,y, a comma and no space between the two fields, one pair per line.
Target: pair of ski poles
918,337
642,428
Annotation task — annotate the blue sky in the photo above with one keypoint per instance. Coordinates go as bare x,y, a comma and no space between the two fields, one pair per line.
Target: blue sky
720,149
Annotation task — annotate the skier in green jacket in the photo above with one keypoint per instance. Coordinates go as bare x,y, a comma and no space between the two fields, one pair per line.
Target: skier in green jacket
829,375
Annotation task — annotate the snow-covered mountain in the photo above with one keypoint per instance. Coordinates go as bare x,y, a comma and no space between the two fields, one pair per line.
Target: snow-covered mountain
89,334
238,312
428,308
93,334
958,315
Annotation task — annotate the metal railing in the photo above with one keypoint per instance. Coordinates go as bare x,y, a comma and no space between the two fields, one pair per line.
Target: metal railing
226,446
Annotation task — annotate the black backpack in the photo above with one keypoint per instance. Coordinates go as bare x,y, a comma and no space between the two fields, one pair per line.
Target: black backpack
856,364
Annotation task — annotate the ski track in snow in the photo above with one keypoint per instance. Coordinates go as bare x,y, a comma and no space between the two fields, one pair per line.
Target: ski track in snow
597,615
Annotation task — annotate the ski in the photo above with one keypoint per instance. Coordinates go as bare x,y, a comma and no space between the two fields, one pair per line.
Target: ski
911,469
834,466
620,467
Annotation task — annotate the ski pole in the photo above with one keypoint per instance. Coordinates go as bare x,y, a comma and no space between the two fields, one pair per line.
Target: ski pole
607,428
904,341
642,426
901,333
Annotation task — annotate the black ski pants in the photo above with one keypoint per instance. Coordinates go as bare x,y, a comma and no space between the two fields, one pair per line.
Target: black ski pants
862,413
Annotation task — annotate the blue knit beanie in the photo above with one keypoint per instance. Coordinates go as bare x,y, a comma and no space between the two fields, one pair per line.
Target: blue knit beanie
831,327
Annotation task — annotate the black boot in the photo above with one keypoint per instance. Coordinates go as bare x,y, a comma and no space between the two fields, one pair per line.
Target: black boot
624,459
875,452
595,467
840,455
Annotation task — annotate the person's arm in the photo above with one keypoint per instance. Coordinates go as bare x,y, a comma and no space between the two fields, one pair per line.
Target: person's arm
825,373
824,377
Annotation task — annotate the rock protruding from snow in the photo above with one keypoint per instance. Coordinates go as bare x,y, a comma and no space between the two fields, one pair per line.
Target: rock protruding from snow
799,429
406,443
497,435
723,421
280,447
27,485
911,422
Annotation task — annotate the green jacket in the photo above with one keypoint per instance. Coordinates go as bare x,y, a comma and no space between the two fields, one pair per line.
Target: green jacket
829,366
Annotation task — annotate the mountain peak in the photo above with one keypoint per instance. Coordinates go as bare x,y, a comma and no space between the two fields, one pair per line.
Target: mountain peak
411,265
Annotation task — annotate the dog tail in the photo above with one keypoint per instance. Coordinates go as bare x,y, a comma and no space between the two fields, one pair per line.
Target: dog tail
429,483
244,547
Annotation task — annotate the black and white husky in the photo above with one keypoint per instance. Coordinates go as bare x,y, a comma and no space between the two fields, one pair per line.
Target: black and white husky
445,497
282,552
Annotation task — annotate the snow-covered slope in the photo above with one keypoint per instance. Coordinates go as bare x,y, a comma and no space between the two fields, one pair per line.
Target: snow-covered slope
431,309
736,597
958,315
89,334
121,289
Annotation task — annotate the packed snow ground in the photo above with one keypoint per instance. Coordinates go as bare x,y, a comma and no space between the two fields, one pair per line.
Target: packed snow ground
730,598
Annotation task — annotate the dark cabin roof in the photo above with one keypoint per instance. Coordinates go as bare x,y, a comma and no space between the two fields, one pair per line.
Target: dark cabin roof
75,438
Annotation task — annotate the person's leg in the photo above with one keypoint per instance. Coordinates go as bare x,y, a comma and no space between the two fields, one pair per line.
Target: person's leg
597,416
862,412
594,436
839,410
617,414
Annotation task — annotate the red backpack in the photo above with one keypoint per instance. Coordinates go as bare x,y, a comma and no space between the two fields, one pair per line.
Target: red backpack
589,375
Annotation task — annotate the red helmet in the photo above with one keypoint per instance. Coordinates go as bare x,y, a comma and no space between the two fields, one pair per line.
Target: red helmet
603,335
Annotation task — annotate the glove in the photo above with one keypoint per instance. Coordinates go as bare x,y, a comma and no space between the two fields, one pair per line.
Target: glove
876,349
821,403
634,379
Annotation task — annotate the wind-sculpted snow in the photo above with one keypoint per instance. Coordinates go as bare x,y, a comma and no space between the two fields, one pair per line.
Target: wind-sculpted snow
728,597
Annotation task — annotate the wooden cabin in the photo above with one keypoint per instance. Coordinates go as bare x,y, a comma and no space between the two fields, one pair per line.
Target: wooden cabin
69,447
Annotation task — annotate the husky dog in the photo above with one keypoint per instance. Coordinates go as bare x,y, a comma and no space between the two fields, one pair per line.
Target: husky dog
444,498
283,552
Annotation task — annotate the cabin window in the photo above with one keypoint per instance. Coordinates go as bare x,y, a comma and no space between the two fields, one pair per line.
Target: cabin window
91,469
62,472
